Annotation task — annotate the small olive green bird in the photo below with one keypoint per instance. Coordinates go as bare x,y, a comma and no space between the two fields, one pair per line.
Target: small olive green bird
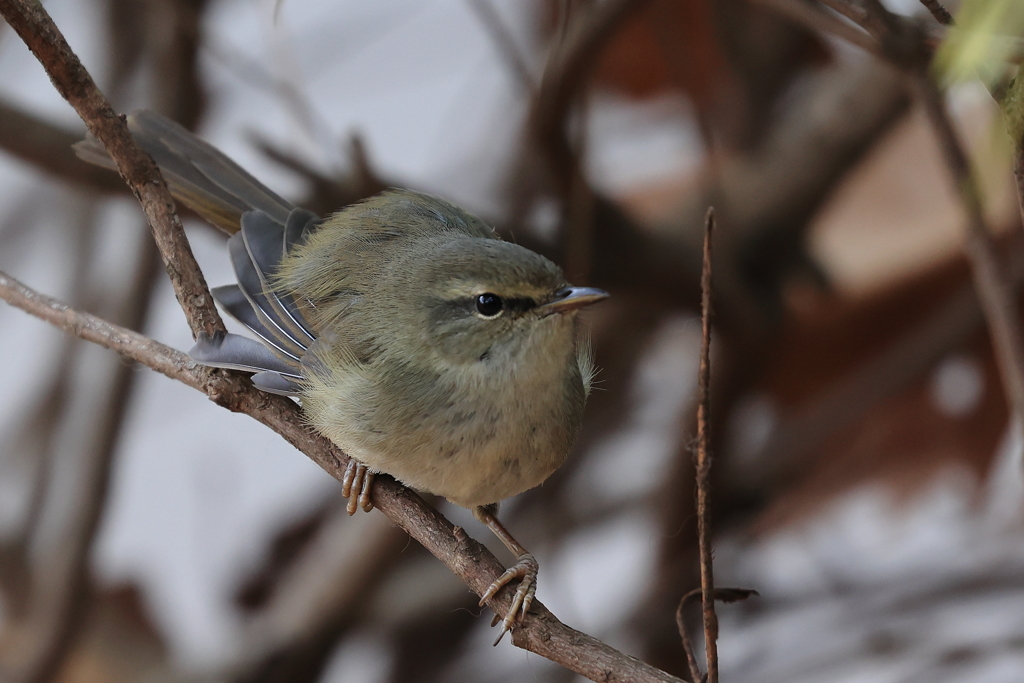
417,340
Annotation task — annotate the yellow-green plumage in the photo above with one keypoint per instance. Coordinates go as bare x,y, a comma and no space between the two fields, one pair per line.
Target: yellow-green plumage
407,378
417,341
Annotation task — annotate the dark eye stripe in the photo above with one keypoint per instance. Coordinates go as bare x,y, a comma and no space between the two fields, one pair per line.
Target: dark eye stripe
519,304
454,308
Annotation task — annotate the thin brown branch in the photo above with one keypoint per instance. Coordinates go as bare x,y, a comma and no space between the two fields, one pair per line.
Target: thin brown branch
940,13
60,581
904,45
684,634
703,479
720,594
542,633
74,83
994,291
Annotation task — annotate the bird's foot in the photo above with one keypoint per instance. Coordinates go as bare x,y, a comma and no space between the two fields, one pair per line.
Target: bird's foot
356,485
525,570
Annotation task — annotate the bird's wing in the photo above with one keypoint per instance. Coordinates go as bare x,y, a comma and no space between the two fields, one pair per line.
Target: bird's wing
198,175
264,227
268,312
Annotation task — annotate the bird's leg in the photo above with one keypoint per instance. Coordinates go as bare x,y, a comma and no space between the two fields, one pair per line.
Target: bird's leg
356,485
525,570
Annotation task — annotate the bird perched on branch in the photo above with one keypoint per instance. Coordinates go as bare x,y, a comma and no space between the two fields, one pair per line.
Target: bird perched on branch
419,342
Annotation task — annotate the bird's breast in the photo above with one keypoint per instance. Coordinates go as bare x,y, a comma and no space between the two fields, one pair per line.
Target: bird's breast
473,433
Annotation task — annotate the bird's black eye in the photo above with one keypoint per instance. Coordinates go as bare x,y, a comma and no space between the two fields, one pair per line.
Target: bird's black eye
489,305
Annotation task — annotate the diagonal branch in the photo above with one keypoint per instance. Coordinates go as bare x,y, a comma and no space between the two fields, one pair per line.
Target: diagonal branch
73,82
994,290
541,633
720,594
905,44
940,13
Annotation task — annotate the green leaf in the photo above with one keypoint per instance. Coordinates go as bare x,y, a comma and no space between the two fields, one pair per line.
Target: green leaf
985,35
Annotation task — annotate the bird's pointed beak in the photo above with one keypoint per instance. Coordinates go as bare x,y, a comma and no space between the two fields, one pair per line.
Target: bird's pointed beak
571,298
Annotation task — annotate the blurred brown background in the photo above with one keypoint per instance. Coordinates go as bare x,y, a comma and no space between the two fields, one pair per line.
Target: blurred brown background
867,482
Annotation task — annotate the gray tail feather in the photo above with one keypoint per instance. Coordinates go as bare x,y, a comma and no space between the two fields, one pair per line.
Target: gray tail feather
235,352
198,174
264,228
256,252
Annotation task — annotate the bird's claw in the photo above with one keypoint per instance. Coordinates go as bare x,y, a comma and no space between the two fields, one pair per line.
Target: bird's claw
356,485
525,570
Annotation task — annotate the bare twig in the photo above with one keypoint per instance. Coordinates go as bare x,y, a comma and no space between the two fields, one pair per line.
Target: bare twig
684,634
707,580
905,46
720,594
994,291
74,83
940,13
541,633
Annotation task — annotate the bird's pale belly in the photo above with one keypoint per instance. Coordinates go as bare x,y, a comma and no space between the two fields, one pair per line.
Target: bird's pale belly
475,436
477,467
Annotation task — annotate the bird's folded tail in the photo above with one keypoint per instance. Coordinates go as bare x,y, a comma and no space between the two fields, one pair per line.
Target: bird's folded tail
273,316
263,228
198,174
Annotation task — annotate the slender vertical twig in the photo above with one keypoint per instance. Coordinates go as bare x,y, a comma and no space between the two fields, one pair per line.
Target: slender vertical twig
707,579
